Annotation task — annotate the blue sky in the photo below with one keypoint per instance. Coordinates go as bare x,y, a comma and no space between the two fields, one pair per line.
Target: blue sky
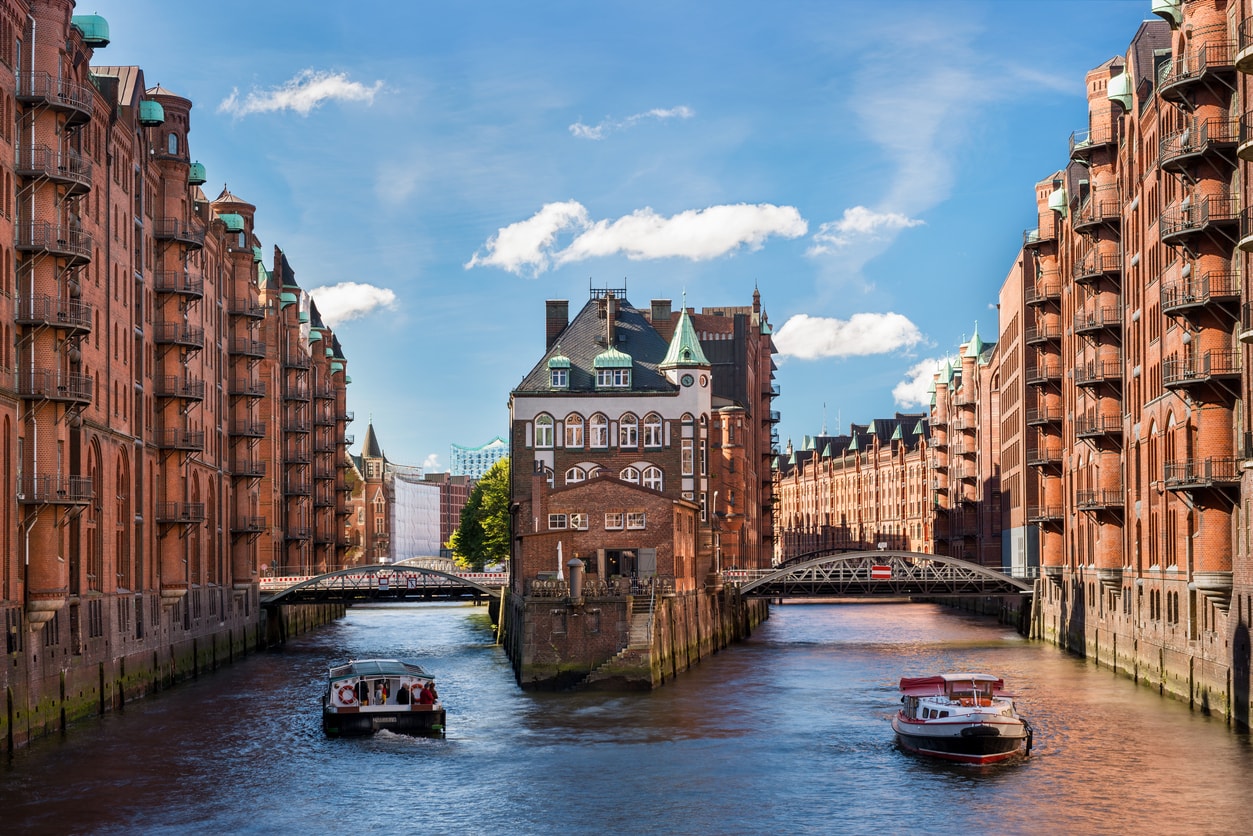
435,174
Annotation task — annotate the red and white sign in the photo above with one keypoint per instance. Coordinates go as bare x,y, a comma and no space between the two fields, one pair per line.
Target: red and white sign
880,573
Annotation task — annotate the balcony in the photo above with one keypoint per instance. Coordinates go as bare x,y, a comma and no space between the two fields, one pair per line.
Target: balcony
1102,207
1045,233
298,533
1102,500
1244,46
244,347
1083,144
247,467
176,438
296,456
180,232
1098,426
54,385
179,283
180,513
1044,291
325,392
1043,373
54,490
246,387
1095,265
1042,333
295,392
1106,318
1044,513
172,386
69,315
322,499
1246,323
1210,214
1179,151
68,97
296,360
1217,288
1044,415
44,237
296,425
248,525
1044,455
297,487
1199,474
1210,367
67,168
180,334
1211,62
1098,373
251,310
771,417
248,429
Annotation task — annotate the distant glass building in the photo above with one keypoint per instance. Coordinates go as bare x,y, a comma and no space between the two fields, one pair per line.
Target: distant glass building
475,461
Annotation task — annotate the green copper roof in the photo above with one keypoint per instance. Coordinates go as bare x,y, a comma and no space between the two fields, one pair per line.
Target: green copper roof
612,358
976,346
196,174
95,30
559,360
853,445
920,429
897,435
256,255
1169,10
151,113
1119,89
286,299
826,451
684,346
946,373
234,221
336,366
314,335
1058,200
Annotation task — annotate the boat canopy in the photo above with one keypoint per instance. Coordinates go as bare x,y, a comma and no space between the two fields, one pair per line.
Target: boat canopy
935,686
376,668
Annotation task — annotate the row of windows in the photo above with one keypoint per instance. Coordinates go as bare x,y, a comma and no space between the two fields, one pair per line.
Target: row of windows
597,430
614,521
605,378
649,477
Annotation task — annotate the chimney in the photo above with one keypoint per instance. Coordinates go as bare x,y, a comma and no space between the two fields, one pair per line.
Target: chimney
660,311
558,317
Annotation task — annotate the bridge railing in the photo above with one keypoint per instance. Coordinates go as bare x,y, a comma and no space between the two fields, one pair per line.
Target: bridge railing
282,582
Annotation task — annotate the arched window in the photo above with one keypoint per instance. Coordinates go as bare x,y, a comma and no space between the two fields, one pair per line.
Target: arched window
652,478
598,430
173,143
544,431
628,431
574,430
575,474
630,474
652,430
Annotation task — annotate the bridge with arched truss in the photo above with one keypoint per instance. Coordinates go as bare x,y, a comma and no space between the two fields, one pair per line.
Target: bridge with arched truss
383,582
877,574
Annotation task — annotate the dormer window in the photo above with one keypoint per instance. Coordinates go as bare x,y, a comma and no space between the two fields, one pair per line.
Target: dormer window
559,371
613,369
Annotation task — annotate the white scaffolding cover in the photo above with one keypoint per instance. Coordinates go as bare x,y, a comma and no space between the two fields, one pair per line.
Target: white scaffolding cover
415,518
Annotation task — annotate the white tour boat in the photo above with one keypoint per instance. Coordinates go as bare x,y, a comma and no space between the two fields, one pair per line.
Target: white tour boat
963,717
366,695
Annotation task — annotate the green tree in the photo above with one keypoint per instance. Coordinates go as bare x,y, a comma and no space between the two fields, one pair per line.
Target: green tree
483,535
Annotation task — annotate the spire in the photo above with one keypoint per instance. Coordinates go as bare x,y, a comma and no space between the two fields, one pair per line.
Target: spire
370,444
976,345
685,347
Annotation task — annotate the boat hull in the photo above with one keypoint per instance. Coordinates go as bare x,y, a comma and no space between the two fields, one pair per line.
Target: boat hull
350,723
964,743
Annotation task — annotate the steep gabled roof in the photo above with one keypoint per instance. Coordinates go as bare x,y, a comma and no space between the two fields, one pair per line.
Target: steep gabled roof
583,340
685,347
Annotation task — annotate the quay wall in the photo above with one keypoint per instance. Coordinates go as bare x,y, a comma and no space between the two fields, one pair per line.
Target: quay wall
1201,662
619,643
48,687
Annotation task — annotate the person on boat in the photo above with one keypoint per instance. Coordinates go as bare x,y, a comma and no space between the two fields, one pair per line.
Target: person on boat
427,695
402,695
363,692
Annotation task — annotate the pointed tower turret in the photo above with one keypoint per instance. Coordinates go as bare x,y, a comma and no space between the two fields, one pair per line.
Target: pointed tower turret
685,352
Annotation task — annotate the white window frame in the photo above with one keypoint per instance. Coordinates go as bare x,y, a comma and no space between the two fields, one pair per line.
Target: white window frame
544,429
652,477
575,475
635,520
598,431
628,432
558,522
614,521
578,521
560,378
687,457
631,474
574,430
652,430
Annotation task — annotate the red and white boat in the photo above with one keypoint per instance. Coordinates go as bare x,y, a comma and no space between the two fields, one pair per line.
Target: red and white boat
964,717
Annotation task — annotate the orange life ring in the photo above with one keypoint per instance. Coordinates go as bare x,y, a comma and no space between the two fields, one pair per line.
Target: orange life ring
347,695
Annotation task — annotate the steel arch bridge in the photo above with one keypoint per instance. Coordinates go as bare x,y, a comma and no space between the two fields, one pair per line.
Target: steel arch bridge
877,574
386,582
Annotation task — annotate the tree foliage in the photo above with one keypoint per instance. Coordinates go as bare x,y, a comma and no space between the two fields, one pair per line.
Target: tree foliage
482,538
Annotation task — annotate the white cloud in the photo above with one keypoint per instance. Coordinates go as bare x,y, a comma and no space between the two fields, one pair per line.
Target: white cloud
608,126
304,92
914,389
696,234
350,300
431,464
527,244
812,337
859,223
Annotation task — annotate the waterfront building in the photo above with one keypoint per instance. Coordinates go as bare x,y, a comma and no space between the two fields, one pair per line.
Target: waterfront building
630,457
148,440
475,461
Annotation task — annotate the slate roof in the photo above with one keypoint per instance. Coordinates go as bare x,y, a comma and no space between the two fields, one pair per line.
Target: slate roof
908,428
584,338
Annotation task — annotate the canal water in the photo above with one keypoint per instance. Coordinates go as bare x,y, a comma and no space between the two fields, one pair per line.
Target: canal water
786,733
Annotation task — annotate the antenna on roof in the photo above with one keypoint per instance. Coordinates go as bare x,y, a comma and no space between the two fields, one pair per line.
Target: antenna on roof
824,418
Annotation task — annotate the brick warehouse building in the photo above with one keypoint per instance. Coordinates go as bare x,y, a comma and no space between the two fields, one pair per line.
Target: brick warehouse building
172,413
640,445
1117,394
